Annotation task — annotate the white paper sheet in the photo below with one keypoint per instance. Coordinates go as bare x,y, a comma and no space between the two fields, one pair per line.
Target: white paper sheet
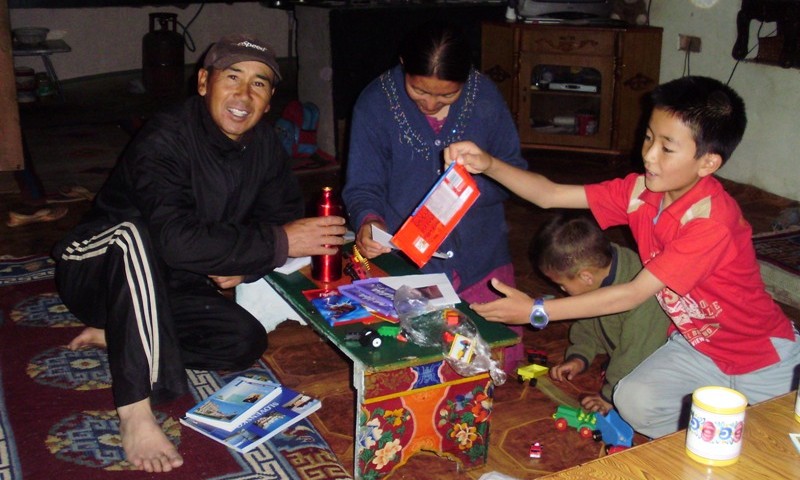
435,286
264,303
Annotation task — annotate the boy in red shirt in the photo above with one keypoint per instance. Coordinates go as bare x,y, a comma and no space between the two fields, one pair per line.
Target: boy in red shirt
697,252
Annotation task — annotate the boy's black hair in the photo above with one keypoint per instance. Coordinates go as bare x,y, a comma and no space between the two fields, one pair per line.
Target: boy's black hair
712,110
568,243
437,49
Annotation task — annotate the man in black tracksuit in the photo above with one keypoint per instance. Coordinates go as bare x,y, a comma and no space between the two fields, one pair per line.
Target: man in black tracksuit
202,200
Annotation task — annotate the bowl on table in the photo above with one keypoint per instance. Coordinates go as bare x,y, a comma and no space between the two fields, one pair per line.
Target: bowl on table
30,36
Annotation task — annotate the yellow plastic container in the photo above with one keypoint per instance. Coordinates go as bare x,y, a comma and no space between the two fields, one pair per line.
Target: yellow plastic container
716,426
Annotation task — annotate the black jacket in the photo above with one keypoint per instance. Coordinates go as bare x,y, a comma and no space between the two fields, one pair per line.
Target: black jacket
212,205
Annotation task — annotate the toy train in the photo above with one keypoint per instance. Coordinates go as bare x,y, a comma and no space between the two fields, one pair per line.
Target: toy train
608,428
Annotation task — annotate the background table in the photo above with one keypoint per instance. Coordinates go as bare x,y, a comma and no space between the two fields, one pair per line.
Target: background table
767,452
408,398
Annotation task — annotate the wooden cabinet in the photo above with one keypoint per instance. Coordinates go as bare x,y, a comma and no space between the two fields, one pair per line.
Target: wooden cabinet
573,87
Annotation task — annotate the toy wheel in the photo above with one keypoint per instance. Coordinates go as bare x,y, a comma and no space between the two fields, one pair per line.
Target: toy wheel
597,436
585,432
370,338
533,382
561,424
520,380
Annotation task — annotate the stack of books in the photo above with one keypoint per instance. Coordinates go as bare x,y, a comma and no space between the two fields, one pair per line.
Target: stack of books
247,412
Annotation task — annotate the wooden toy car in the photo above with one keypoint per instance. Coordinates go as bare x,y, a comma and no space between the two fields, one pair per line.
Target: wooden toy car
536,355
529,373
535,450
613,430
581,420
609,428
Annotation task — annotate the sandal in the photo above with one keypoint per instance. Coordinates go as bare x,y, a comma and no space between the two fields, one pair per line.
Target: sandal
74,193
49,214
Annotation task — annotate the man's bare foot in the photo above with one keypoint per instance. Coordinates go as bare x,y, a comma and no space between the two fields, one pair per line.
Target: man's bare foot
89,337
145,444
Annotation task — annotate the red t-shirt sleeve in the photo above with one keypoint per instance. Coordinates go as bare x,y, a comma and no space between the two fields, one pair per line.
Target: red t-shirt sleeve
609,200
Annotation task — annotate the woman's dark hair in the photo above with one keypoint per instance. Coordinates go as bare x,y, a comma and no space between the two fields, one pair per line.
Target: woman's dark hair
437,49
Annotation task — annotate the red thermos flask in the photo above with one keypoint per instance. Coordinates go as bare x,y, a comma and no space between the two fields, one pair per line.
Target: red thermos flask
327,268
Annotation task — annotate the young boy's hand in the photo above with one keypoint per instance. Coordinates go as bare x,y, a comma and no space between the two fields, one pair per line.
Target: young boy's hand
567,370
469,155
515,309
595,403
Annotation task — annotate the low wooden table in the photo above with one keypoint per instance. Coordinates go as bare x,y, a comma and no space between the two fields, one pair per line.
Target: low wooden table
767,452
408,398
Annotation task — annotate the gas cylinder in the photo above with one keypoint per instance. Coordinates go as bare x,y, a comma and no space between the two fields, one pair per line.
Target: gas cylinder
162,56
327,268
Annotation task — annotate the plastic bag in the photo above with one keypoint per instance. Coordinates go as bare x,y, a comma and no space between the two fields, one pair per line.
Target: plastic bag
462,346
420,321
464,349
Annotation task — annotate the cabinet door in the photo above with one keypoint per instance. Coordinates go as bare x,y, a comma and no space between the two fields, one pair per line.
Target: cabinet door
565,100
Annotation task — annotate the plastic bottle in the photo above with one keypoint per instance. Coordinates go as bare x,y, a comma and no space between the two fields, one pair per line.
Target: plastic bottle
327,268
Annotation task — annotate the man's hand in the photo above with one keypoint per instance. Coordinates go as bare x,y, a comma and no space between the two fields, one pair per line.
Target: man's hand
315,235
366,245
567,370
469,155
595,403
514,309
224,283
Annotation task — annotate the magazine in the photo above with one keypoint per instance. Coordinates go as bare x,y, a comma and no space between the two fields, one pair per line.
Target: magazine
282,412
336,308
372,294
232,405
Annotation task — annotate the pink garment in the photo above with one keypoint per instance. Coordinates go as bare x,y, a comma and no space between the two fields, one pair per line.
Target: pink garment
435,124
480,292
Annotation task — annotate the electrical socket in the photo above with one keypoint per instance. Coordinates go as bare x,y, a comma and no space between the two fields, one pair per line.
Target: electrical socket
689,43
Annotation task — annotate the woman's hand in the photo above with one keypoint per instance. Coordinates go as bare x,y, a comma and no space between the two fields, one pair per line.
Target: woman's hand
368,247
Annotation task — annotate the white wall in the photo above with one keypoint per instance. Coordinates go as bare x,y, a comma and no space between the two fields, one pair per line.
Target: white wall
769,154
109,39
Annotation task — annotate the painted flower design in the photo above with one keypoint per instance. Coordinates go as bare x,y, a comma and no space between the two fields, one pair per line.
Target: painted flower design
386,454
464,435
394,417
370,434
482,407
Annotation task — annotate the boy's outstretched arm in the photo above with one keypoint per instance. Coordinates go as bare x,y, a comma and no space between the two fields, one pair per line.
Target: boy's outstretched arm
531,186
515,308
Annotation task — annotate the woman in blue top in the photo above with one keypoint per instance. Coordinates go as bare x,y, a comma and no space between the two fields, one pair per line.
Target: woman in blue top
401,123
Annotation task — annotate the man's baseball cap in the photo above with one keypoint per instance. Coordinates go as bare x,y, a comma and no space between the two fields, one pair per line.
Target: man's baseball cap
241,47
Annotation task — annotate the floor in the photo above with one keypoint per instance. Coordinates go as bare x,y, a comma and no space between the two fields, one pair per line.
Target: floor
301,359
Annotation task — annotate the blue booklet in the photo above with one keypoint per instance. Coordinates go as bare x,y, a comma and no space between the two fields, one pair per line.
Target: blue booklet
232,405
288,408
336,308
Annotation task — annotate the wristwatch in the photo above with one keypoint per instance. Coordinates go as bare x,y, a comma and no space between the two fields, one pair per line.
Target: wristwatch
539,318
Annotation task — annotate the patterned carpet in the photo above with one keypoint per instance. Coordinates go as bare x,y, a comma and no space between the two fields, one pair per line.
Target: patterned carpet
56,415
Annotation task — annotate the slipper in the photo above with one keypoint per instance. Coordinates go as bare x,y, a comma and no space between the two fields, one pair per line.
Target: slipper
16,219
73,193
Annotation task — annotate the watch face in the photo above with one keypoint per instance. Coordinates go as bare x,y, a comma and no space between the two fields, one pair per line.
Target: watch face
539,319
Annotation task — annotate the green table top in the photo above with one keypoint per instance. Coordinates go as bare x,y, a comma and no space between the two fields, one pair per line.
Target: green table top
392,353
